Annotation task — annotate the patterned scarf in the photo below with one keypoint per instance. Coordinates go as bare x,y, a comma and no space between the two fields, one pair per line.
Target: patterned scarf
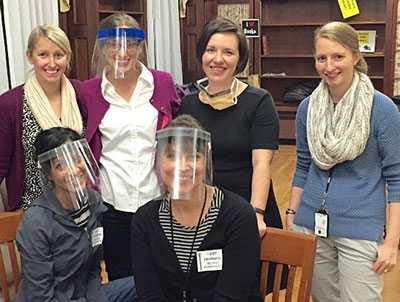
339,133
41,108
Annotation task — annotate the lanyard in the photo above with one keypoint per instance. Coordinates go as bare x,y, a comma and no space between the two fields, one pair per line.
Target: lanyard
187,273
325,194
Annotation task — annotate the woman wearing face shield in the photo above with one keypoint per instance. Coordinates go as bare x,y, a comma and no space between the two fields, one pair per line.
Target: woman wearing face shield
199,242
60,235
46,99
123,107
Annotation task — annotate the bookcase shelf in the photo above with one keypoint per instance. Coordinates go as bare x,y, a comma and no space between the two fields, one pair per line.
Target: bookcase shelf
299,55
285,49
317,24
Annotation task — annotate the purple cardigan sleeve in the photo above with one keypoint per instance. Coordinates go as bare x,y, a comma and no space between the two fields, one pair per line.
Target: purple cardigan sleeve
11,161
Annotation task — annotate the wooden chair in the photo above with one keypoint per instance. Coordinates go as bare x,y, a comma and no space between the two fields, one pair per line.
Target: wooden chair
8,228
297,250
3,196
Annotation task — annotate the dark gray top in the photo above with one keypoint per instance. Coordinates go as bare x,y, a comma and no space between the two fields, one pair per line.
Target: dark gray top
57,257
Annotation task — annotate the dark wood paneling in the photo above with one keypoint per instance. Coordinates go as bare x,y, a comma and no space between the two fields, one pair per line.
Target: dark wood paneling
79,12
256,8
317,11
81,49
390,46
198,13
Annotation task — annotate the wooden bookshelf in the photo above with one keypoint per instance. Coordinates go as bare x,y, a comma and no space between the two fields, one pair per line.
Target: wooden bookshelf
285,57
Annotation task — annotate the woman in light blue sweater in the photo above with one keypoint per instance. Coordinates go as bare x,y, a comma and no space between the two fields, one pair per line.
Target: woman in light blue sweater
347,173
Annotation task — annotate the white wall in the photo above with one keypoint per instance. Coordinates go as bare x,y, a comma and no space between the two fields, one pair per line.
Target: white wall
164,37
3,66
20,17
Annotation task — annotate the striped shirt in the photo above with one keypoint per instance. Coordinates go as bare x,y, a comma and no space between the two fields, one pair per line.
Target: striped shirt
81,216
183,235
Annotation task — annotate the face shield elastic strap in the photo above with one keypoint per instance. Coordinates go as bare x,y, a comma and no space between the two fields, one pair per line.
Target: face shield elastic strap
129,33
202,86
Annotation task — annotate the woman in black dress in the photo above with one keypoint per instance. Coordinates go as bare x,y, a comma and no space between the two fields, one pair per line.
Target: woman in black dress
242,120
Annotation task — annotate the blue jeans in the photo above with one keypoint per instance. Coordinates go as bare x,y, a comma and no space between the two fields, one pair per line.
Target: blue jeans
120,290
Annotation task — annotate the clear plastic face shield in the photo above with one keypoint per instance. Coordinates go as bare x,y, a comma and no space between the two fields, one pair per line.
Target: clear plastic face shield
117,49
70,170
183,161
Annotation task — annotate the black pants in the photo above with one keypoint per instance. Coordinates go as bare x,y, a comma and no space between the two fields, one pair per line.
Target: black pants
117,243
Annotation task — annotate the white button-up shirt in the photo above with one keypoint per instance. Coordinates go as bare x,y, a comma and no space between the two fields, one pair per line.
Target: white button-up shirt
128,132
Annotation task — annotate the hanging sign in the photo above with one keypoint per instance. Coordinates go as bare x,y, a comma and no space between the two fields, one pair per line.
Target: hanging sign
251,28
349,8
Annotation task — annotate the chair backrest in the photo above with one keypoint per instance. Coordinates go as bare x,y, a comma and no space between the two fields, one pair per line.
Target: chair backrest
8,228
297,250
3,196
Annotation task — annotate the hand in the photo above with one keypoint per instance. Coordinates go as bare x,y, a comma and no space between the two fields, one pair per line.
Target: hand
289,221
387,257
262,227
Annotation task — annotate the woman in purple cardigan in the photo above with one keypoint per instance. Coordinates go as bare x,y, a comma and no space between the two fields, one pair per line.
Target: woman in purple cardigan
47,99
124,106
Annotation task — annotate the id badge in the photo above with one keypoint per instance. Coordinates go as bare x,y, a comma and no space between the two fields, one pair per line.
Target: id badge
97,236
321,223
208,261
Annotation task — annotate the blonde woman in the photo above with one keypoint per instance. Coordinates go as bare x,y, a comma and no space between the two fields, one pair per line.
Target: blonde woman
47,99
347,156
124,105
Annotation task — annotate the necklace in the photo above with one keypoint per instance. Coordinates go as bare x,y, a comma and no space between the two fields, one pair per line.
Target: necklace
187,272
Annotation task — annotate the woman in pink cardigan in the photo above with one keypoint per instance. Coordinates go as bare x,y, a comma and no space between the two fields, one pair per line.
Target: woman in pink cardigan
47,99
123,106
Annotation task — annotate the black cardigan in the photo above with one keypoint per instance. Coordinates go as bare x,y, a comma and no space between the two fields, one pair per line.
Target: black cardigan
158,276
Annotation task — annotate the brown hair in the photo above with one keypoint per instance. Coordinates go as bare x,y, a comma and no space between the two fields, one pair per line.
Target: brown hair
185,120
224,25
119,20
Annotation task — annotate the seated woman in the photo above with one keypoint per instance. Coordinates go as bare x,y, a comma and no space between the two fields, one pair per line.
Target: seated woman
199,242
60,235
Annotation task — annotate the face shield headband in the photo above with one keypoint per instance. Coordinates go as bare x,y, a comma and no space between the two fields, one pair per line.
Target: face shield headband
113,33
119,46
71,170
183,161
